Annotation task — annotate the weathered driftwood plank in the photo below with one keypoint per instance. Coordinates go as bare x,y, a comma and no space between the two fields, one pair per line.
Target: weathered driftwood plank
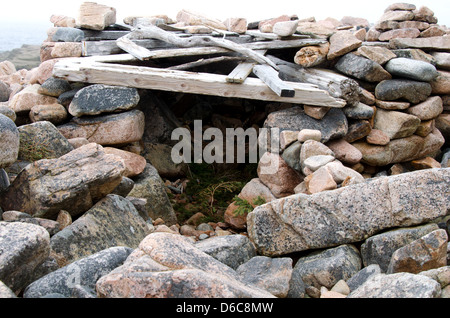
336,84
95,48
93,35
269,76
187,82
242,71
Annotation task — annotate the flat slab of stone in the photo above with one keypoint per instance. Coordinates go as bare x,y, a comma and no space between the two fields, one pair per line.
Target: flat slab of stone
349,214
341,43
438,43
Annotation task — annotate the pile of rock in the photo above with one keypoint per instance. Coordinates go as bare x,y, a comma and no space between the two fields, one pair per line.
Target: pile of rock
356,197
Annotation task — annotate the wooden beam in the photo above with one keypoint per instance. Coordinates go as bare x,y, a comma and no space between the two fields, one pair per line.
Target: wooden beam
188,82
269,76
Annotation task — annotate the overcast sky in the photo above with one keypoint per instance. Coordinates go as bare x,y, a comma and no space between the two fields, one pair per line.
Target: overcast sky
41,10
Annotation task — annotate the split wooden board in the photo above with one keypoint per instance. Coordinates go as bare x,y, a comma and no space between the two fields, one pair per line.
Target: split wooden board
96,71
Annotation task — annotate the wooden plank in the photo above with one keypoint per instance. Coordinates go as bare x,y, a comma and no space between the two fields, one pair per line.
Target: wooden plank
242,71
188,82
95,48
93,35
269,76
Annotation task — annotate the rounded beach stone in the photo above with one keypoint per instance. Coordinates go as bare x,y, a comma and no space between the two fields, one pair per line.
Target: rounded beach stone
54,87
99,98
412,69
413,91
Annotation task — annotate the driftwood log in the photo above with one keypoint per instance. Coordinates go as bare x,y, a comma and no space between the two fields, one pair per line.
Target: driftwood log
337,85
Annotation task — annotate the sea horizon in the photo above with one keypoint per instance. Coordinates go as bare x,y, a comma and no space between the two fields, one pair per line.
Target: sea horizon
14,33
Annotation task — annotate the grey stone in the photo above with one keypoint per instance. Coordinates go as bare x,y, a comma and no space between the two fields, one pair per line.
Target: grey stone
445,161
412,69
160,157
332,126
113,221
73,182
24,248
81,274
401,285
4,180
362,276
362,68
9,141
360,111
98,98
326,268
51,226
315,162
348,214
413,91
66,34
232,250
5,91
54,87
42,140
379,248
8,112
292,155
297,287
270,274
124,188
66,98
149,185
